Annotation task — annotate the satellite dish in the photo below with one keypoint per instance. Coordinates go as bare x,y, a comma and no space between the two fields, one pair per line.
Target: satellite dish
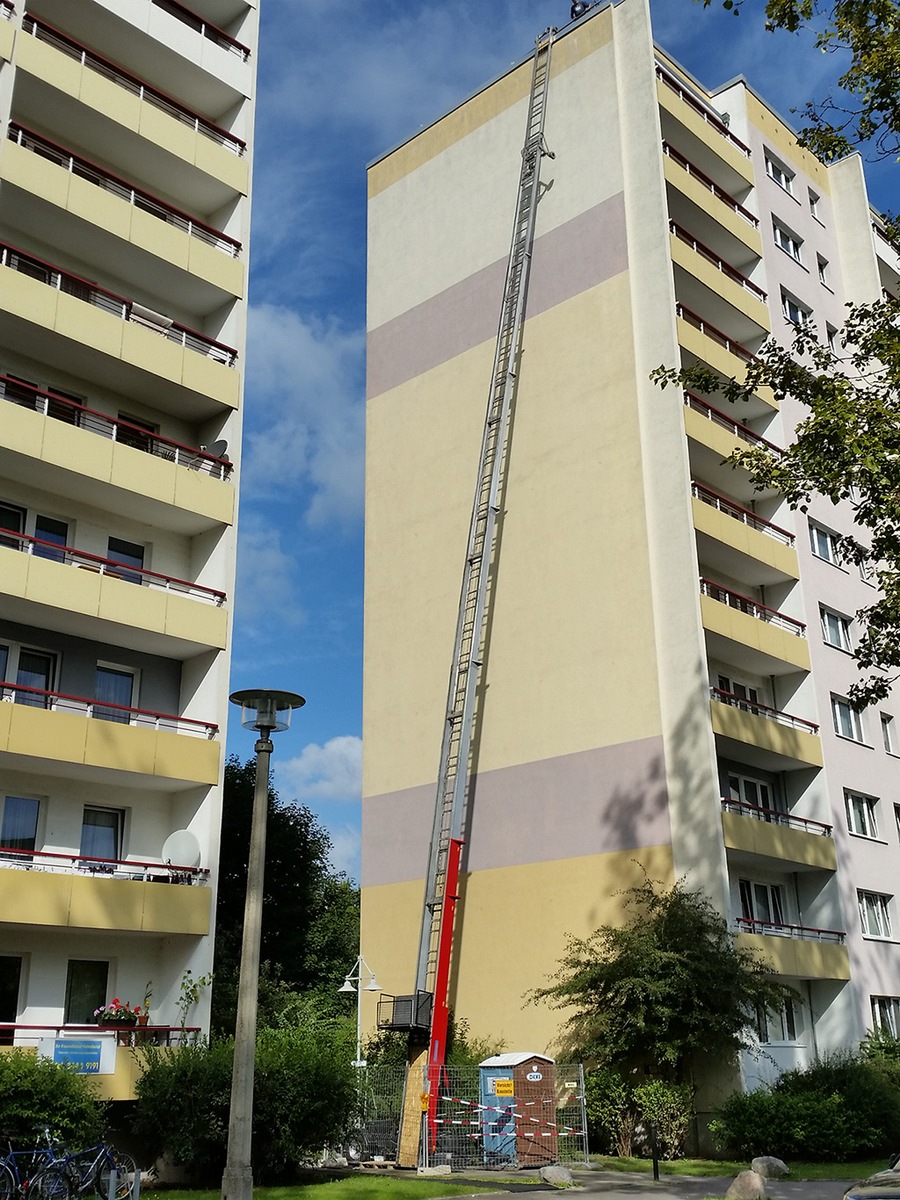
182,849
217,449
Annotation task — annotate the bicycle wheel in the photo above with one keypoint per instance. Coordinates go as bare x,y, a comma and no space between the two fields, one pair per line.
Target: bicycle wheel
8,1187
126,1169
52,1183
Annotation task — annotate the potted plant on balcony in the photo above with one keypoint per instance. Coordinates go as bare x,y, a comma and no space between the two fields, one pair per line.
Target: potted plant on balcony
118,1013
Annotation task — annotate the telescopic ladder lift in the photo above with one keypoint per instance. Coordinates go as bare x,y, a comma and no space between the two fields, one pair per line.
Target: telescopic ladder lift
447,840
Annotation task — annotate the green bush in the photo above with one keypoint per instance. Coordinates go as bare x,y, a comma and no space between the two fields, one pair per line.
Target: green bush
608,1100
36,1091
668,1108
304,1095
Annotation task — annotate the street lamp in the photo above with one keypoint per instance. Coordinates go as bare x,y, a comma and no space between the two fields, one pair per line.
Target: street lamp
267,712
360,966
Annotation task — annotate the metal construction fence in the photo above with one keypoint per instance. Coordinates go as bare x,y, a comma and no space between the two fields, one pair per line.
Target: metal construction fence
465,1131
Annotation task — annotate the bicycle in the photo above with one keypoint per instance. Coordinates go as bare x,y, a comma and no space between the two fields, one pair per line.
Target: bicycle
32,1173
90,1170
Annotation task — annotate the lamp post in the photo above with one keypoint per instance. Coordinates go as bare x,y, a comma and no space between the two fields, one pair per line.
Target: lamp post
267,712
360,967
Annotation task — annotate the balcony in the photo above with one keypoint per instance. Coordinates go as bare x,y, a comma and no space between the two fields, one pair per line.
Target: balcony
737,429
797,951
205,28
759,735
698,201
7,32
157,871
754,834
106,710
706,114
718,262
730,344
714,437
736,543
738,513
59,408
754,638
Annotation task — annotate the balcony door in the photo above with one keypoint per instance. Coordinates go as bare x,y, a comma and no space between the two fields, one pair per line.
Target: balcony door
101,833
86,984
18,828
36,670
762,903
114,686
10,982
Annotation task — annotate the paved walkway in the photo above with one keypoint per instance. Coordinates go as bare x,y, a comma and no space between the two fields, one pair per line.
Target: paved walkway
617,1185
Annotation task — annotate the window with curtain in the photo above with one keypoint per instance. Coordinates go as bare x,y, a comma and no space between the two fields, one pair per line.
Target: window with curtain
113,685
86,983
36,670
129,554
101,833
18,829
50,533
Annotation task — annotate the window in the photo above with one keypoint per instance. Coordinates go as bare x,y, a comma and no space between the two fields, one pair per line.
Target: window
886,1014
778,1025
814,199
789,242
847,721
874,914
36,671
10,979
65,406
48,530
835,628
741,690
794,311
128,554
887,732
897,818
4,664
762,902
86,983
756,792
114,686
831,336
136,433
18,829
824,543
12,519
781,174
822,267
861,814
101,833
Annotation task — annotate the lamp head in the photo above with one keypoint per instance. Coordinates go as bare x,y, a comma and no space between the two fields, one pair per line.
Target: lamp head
579,8
266,711
346,986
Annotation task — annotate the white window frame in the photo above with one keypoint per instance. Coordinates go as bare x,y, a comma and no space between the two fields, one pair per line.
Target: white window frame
122,669
794,310
836,629
779,173
814,199
833,339
887,733
847,720
822,268
874,914
775,898
786,240
862,818
14,650
886,1014
784,1020
823,543
738,789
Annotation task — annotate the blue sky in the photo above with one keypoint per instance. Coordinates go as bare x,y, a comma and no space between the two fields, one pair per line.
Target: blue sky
338,85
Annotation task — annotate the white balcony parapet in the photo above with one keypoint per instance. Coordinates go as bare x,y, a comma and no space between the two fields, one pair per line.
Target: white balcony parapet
105,710
103,868
807,933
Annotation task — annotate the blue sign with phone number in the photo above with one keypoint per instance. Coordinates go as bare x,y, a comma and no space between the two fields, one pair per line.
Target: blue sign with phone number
81,1053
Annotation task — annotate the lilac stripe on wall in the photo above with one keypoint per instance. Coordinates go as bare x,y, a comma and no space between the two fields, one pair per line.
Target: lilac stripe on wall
597,801
567,261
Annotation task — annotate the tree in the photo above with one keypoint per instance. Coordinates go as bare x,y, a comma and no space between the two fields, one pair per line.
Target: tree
847,448
310,924
867,111
668,984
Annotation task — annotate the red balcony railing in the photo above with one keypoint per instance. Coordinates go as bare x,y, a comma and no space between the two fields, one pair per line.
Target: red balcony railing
717,191
739,513
68,555
719,263
712,119
95,62
7,8
14,1034
775,817
763,710
204,28
110,302
146,201
711,331
744,432
105,710
105,868
776,929
752,608
69,411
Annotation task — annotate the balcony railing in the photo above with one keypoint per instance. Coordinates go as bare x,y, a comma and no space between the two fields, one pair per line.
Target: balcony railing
775,817
95,62
85,169
72,413
13,1034
717,191
711,118
105,710
117,306
776,929
752,608
204,28
68,555
7,8
883,234
763,710
717,335
103,868
739,513
719,263
744,432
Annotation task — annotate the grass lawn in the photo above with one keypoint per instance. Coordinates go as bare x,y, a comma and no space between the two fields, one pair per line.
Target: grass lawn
361,1186
711,1167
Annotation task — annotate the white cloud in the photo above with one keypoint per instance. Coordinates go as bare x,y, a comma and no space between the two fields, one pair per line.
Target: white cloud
346,842
266,583
330,772
305,413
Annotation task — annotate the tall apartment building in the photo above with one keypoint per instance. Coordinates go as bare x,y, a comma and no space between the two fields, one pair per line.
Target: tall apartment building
124,216
668,651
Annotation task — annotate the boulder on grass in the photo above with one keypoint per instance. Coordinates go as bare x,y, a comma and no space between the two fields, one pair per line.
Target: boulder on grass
556,1176
749,1185
770,1167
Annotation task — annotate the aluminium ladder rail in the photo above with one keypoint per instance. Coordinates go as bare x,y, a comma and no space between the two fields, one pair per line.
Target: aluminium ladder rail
450,801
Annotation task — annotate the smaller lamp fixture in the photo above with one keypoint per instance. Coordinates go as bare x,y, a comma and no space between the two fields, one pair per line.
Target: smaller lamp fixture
579,8
266,711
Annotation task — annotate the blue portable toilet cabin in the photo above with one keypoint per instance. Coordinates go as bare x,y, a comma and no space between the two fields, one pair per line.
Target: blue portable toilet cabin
518,1109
